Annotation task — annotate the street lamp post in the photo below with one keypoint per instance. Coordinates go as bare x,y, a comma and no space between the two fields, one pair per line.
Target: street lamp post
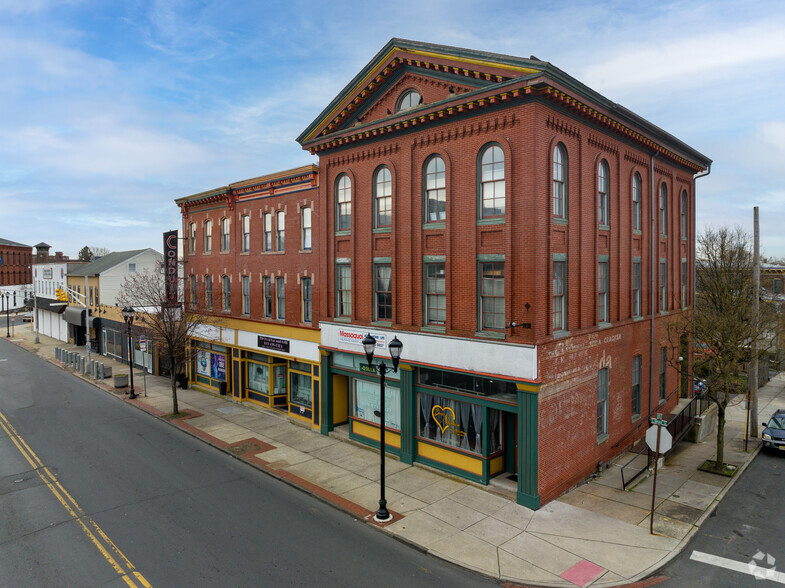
395,347
128,317
7,319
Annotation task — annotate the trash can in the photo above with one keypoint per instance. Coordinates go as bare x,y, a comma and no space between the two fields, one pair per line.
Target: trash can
183,379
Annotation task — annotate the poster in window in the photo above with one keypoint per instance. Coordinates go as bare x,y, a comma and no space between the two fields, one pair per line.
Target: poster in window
202,362
218,366
257,378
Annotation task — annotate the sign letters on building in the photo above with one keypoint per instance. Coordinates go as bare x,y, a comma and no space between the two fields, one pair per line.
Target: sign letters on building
170,266
273,344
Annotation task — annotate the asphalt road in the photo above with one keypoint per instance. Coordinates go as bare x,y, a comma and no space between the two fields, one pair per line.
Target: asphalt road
96,492
741,544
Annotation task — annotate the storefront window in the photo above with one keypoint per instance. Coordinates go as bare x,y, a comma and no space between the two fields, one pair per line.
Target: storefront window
457,424
300,391
210,366
367,403
499,389
259,378
279,379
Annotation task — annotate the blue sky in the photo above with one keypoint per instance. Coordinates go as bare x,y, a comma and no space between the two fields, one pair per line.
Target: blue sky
111,110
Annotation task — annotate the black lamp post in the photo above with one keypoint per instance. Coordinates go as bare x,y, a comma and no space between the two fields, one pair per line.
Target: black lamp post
7,309
369,343
128,317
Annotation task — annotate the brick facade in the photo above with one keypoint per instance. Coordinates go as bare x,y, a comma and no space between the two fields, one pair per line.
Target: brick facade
470,102
16,265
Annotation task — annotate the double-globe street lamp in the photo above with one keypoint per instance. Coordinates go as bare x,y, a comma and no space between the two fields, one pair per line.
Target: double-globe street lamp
128,317
395,347
7,309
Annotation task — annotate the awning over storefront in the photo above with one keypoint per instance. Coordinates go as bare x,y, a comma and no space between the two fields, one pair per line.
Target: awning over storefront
74,316
49,304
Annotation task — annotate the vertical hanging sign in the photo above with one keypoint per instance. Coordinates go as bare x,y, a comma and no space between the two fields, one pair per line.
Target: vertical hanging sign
170,266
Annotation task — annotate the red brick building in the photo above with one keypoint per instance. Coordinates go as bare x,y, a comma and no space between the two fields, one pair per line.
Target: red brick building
16,273
251,263
524,237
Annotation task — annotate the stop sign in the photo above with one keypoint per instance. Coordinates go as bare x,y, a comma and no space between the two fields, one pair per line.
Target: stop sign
666,440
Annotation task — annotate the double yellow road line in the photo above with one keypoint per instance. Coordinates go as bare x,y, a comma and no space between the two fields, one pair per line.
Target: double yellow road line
99,539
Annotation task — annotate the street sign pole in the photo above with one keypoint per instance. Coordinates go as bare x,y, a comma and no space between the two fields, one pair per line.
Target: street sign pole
659,422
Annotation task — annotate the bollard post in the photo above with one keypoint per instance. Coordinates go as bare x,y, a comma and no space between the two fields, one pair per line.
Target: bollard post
101,372
57,353
82,365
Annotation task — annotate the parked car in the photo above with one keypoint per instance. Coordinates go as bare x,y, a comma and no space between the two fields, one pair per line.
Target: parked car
27,317
774,433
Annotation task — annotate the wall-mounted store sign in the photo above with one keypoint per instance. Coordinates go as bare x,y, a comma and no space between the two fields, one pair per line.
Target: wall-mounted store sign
47,273
356,338
273,344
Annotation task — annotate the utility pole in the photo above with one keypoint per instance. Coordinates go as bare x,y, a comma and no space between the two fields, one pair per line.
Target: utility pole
753,421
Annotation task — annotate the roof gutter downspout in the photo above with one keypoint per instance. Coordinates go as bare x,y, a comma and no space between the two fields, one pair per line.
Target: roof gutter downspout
694,259
652,274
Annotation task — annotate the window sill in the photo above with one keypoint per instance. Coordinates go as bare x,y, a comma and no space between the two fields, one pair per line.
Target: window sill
637,232
245,253
496,220
435,225
382,230
603,324
343,233
558,220
433,329
306,250
381,323
637,317
635,418
489,334
560,334
342,319
271,252
604,227
664,313
602,438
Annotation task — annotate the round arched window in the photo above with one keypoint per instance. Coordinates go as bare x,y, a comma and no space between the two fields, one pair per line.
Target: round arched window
409,99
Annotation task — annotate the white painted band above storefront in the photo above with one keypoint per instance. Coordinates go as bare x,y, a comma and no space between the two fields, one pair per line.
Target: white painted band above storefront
278,346
489,357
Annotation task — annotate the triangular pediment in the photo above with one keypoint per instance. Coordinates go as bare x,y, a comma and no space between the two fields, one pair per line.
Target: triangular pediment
437,74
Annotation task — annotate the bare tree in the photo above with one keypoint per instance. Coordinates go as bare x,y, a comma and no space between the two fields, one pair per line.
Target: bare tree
168,325
99,251
724,325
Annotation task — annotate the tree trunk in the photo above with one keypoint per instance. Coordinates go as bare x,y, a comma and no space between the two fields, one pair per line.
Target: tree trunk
720,460
173,377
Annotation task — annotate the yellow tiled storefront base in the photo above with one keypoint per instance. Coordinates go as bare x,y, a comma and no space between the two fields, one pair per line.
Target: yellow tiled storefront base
371,432
453,459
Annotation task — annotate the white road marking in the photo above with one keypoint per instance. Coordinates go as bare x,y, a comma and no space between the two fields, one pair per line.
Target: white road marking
738,566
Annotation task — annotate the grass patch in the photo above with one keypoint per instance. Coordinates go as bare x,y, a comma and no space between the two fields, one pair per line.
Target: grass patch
728,469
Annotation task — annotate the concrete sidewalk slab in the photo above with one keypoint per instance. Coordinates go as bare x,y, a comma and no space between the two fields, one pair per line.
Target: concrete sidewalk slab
596,533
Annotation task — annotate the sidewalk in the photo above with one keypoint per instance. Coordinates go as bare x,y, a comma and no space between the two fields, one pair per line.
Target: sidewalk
596,534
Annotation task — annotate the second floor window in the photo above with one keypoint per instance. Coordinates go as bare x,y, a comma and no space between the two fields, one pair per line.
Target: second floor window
492,182
435,294
559,183
383,198
492,306
559,296
306,224
343,201
344,290
280,229
663,209
636,386
246,233
224,234
227,293
636,288
684,283
663,284
382,285
208,291
280,293
192,293
267,221
268,296
603,193
246,295
307,300
208,236
603,300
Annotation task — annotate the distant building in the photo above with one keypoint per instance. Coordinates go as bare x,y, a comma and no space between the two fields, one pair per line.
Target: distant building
93,290
15,273
50,279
